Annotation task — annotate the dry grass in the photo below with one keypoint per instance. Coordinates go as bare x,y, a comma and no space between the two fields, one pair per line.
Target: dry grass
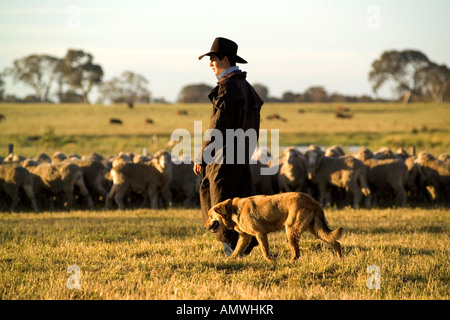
165,254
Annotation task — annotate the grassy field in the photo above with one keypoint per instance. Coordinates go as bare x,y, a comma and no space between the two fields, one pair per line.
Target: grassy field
83,129
165,254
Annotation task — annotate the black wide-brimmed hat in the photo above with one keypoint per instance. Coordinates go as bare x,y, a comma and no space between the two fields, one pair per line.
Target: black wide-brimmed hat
226,47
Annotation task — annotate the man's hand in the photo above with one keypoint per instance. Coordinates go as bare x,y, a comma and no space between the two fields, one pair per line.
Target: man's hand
198,169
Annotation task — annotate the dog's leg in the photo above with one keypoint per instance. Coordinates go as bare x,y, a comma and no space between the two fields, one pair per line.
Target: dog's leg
264,242
293,234
242,244
293,238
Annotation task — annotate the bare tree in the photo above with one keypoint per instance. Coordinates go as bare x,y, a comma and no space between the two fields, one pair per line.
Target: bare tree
129,88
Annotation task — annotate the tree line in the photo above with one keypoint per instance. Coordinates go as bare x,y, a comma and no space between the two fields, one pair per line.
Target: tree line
415,79
71,79
198,93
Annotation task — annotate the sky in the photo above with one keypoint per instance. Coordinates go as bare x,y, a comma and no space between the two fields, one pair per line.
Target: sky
290,45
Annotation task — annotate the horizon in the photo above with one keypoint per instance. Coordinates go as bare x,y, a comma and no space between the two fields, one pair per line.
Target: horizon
290,45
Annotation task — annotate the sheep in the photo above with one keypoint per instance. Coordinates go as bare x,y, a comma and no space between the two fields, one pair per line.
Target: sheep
384,153
115,121
126,156
343,172
92,156
334,151
385,173
415,184
402,154
445,157
264,183
292,174
276,116
93,176
185,185
344,113
436,174
58,157
182,112
14,159
12,178
264,171
316,148
415,187
59,178
140,158
151,179
341,115
42,157
73,156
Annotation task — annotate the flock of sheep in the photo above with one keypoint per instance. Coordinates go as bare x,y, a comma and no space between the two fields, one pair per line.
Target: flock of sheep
126,181
368,179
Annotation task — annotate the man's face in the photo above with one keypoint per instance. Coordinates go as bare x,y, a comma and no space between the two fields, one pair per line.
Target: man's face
217,65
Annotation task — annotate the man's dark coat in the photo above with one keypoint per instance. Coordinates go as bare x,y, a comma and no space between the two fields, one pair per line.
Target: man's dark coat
236,105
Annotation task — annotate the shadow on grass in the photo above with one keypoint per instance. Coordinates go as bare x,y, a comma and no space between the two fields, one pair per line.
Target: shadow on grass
434,229
391,249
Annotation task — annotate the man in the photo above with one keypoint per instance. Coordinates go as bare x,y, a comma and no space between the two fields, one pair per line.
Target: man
236,105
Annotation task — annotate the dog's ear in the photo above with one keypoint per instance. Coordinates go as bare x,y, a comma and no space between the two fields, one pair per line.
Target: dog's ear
225,208
229,206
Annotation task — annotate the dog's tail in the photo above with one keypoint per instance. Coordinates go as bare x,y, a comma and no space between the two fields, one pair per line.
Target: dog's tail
320,228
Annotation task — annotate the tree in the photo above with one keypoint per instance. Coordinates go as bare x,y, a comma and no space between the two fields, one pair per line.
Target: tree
435,81
195,93
130,87
2,90
401,67
79,72
337,97
316,94
37,71
288,96
70,96
262,91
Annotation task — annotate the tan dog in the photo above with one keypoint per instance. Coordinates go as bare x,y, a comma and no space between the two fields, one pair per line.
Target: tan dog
259,215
